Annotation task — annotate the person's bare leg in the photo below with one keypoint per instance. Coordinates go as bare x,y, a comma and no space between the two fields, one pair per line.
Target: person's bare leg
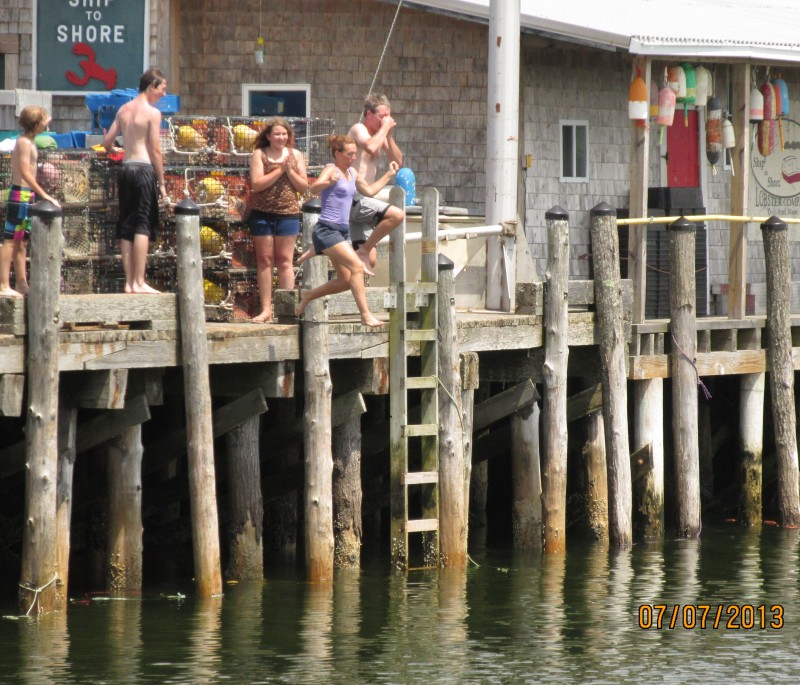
126,251
6,252
337,285
141,243
350,267
284,252
368,252
264,246
20,268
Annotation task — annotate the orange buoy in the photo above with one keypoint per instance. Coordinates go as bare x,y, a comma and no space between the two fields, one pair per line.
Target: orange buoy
766,136
638,101
768,92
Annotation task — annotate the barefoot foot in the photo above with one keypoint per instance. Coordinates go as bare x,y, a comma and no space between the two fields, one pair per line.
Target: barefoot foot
301,305
144,289
263,317
372,322
9,292
308,254
365,258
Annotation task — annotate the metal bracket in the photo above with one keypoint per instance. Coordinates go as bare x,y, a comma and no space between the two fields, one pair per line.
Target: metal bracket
510,227
390,299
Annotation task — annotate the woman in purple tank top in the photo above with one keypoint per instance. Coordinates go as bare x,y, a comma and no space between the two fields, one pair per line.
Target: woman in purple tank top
336,186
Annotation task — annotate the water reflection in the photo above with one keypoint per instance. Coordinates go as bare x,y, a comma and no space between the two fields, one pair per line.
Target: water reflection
516,618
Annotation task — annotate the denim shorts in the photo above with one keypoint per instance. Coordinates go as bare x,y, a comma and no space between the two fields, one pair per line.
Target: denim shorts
327,235
262,224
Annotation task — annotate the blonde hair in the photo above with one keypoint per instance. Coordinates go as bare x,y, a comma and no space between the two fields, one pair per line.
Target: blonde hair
31,117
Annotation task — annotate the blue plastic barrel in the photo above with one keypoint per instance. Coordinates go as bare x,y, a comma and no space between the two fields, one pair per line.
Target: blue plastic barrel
406,180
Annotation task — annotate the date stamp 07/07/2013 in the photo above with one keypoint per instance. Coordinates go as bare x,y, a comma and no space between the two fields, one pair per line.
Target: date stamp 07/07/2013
714,616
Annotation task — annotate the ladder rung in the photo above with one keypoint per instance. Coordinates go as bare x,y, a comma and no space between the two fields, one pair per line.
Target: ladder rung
421,429
421,287
420,334
420,382
422,525
420,477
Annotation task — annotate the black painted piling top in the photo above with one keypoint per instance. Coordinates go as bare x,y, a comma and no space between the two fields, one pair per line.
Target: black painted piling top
312,206
187,208
774,223
603,209
445,263
682,224
556,213
44,209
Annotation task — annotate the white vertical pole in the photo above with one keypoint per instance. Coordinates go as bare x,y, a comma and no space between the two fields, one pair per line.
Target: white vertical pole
502,150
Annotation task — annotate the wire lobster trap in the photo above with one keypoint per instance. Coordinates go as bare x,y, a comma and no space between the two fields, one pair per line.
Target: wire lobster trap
219,192
234,139
64,174
188,140
80,241
243,296
311,138
241,248
102,180
79,277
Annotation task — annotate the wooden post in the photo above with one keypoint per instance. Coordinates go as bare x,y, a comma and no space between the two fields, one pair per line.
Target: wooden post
124,562
608,296
246,516
595,471
751,439
347,494
526,479
453,507
67,451
781,366
478,483
554,371
318,490
684,376
648,403
39,583
199,436
470,378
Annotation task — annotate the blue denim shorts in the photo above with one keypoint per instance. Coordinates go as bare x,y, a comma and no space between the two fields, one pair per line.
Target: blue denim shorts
262,224
327,235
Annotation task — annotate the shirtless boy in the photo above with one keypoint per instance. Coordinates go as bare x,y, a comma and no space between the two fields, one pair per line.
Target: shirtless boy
23,192
141,178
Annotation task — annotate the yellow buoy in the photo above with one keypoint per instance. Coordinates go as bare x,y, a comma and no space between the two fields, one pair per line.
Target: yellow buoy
189,139
212,293
210,190
243,137
211,242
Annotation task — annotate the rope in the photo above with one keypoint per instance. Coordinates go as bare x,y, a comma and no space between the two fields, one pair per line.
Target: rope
385,46
693,362
36,592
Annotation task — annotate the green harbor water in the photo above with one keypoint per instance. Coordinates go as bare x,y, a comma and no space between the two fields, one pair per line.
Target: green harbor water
511,619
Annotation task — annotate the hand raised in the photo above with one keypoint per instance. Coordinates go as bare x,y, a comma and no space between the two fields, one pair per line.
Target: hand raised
334,177
394,167
388,122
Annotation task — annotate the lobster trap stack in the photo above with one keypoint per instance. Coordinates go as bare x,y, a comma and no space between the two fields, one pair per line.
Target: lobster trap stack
206,159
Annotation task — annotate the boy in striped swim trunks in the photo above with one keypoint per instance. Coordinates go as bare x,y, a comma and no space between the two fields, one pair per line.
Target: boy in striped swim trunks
22,193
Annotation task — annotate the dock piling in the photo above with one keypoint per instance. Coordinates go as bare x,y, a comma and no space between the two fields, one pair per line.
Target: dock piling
554,403
199,435
683,329
781,366
40,586
613,375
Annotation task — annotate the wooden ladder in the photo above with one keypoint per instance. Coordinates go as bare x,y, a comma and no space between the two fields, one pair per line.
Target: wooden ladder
414,493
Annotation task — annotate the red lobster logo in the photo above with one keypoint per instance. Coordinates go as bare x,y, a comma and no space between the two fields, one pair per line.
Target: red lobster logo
91,69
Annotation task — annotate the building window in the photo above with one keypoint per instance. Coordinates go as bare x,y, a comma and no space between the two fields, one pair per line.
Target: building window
574,151
276,99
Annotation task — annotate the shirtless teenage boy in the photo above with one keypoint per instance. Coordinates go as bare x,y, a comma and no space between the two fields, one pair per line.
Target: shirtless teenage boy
141,178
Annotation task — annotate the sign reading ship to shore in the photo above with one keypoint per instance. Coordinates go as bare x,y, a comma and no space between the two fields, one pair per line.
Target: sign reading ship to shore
775,186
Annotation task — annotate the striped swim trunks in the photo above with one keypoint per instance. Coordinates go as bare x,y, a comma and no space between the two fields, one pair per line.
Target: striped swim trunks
18,223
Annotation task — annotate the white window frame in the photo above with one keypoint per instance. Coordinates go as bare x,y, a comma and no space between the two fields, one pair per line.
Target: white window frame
574,124
248,88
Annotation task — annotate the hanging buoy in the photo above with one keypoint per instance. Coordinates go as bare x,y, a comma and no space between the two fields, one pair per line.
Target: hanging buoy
781,103
728,134
768,92
756,106
653,100
689,90
713,131
666,110
676,80
766,136
702,77
638,101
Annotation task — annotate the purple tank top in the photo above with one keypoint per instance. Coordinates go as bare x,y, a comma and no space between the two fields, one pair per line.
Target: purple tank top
338,199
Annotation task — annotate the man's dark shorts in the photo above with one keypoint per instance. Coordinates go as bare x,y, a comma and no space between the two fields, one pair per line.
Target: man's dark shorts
138,201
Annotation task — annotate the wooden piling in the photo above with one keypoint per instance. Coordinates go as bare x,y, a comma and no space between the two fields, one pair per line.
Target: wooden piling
683,328
648,400
478,483
453,507
595,471
781,366
124,549
751,442
246,513
197,393
608,296
347,494
39,586
554,371
526,479
318,457
67,452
